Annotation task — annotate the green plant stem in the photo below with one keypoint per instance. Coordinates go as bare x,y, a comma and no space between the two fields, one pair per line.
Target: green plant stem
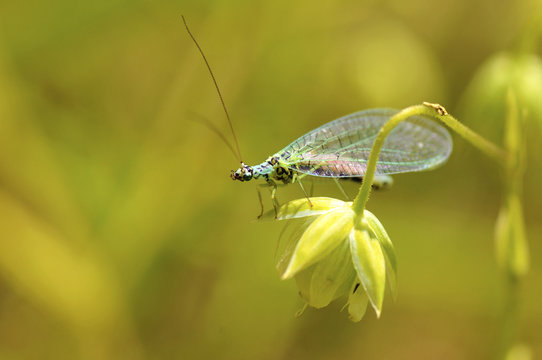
487,147
509,326
365,189
436,112
513,271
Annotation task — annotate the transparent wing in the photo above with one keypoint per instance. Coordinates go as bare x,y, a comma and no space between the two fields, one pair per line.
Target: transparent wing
341,148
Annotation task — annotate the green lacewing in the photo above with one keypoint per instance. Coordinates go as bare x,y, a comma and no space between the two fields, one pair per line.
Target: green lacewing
341,149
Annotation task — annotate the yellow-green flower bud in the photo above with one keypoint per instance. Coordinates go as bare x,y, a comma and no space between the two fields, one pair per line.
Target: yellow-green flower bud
338,254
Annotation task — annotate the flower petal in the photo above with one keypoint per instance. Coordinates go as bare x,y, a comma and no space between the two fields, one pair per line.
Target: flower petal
357,303
296,233
302,208
332,277
303,282
369,263
387,247
320,239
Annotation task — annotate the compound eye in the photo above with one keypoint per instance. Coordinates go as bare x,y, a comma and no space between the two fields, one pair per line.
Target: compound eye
236,175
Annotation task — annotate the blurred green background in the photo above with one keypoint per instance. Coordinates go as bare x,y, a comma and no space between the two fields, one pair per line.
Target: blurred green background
122,235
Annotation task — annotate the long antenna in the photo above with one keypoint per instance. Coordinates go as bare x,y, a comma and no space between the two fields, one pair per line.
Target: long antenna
213,128
217,89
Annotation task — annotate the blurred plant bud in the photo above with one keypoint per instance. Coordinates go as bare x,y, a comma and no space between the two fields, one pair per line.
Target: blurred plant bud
484,100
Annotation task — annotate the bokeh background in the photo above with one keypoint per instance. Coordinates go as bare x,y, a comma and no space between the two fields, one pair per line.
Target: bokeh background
122,235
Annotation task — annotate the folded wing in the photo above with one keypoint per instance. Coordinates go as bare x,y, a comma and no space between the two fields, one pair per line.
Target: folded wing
342,147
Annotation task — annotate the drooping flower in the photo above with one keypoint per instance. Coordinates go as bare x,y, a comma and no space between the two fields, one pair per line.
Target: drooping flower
338,254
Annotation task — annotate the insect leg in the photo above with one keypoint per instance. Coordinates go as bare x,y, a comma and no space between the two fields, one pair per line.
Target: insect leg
274,195
311,192
261,202
304,192
342,189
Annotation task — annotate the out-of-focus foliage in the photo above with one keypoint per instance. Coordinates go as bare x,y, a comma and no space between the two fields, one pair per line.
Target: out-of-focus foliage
121,234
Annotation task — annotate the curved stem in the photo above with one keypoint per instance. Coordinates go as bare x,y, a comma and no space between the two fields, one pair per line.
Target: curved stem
365,189
438,113
487,147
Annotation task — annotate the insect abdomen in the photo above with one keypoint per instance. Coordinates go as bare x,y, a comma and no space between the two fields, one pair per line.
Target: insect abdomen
333,169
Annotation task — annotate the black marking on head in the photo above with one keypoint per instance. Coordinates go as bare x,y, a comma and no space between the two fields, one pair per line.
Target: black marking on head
244,173
248,172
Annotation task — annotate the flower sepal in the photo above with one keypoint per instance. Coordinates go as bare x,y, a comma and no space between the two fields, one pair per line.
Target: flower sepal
338,254
302,208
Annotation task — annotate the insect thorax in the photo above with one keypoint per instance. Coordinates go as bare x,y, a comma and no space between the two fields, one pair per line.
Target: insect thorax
271,169
274,169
